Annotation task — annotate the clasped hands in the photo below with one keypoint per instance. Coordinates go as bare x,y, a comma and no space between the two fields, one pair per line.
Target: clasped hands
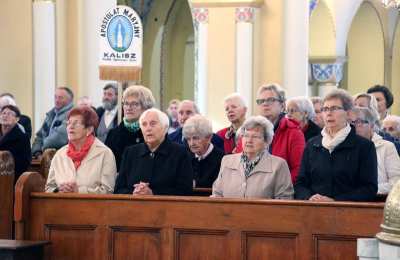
142,188
319,197
68,187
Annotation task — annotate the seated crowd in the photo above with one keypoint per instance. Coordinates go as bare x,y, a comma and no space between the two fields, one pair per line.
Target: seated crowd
335,148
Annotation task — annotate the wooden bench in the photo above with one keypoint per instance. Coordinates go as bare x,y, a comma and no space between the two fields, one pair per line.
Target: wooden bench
82,226
6,194
42,164
22,250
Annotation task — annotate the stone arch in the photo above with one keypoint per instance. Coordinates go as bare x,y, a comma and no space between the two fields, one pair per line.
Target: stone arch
168,53
365,50
322,32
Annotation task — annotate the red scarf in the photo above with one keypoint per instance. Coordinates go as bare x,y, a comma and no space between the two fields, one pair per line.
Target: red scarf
78,156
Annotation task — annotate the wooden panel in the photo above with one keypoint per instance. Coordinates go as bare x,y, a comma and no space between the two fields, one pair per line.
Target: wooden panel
71,241
6,194
201,244
135,243
264,246
330,247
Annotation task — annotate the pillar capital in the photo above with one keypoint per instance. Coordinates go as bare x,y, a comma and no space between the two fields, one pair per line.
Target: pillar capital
327,69
244,14
200,15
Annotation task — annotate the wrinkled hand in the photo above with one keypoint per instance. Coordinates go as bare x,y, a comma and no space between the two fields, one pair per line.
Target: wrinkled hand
68,187
319,197
142,188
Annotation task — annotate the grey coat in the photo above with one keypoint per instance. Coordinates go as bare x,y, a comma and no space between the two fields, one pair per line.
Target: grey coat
55,137
270,179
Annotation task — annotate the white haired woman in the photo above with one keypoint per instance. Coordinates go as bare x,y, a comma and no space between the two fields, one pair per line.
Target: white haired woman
135,100
235,110
302,111
388,159
206,158
339,164
254,173
158,166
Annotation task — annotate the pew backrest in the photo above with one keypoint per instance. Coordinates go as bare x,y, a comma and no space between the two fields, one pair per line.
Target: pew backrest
7,175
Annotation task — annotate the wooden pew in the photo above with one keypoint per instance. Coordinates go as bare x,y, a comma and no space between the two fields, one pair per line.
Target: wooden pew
153,227
6,194
42,164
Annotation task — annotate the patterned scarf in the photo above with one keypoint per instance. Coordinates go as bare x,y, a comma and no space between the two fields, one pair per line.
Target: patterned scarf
77,156
248,165
132,127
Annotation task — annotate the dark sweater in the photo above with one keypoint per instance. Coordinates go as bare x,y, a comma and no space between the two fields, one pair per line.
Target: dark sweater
206,170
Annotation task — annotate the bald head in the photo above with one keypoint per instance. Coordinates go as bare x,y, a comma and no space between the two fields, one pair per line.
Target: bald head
186,109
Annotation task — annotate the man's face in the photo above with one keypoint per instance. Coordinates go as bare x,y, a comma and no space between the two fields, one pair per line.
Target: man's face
198,145
185,111
109,99
61,98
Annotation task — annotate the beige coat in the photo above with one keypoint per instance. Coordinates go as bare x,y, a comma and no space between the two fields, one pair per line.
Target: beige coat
269,179
96,174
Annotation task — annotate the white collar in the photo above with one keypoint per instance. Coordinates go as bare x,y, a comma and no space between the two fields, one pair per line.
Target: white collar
202,157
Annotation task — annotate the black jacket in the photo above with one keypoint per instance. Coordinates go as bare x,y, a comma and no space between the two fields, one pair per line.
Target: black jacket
18,144
25,121
348,174
119,138
206,170
168,170
100,111
177,137
312,130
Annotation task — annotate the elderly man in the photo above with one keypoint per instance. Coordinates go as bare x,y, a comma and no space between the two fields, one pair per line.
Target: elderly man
391,125
108,117
187,109
206,159
53,133
235,110
157,166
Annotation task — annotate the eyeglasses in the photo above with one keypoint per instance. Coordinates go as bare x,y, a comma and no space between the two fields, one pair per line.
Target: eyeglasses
131,105
331,109
74,124
292,111
359,122
8,114
249,136
267,101
389,129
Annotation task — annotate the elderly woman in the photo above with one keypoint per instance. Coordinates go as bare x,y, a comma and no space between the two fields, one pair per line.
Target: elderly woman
254,173
158,166
235,111
301,110
339,164
85,164
24,122
388,159
14,140
135,100
206,159
317,104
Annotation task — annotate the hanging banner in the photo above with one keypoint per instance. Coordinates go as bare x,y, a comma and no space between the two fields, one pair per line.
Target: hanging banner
121,43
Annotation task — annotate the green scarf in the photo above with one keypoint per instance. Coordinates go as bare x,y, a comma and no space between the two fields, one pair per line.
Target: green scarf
132,127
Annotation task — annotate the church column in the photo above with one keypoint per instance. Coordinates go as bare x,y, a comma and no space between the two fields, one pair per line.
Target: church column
296,46
44,59
244,17
327,75
200,16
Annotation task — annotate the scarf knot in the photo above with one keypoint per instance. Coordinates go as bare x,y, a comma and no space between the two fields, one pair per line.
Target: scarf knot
132,127
77,156
248,165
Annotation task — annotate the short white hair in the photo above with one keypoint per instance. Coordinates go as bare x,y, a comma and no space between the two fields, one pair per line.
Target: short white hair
197,125
142,93
393,118
7,100
162,117
259,121
304,105
236,96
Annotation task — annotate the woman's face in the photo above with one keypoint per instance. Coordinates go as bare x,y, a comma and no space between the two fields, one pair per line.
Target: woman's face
335,117
8,118
269,105
363,127
132,108
76,130
197,144
253,141
234,111
294,113
152,129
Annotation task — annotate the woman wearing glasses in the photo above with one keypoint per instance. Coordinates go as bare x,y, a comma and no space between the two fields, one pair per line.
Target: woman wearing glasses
301,110
14,140
388,159
338,164
85,164
135,100
254,173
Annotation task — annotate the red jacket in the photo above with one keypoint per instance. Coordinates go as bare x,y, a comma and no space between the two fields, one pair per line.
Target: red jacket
288,143
229,143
